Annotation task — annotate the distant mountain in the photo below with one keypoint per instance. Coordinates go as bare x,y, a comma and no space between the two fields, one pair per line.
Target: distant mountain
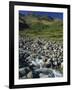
55,15
45,17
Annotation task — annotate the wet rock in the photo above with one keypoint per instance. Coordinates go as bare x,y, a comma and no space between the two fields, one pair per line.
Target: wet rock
23,71
43,75
29,75
24,77
35,74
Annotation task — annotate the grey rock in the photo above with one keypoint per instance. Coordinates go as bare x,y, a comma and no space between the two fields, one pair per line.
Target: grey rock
29,75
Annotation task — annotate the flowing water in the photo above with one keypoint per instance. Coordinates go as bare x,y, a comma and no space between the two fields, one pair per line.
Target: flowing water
46,72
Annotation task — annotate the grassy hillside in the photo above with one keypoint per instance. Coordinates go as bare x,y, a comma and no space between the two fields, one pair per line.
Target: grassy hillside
36,26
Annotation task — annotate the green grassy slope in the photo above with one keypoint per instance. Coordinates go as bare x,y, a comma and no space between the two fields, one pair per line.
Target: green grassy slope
42,27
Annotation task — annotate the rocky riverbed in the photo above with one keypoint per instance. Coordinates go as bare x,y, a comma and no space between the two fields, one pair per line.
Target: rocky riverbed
40,58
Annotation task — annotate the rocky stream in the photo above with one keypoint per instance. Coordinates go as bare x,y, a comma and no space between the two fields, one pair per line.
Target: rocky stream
40,58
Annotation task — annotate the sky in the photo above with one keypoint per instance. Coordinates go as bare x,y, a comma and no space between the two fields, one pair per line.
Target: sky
56,15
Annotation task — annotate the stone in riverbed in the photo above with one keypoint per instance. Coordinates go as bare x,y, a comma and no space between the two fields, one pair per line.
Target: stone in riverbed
23,71
29,75
24,77
35,74
43,75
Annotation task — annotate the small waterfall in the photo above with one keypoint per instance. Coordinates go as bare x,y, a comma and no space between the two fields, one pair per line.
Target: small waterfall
57,73
39,62
49,72
43,71
40,66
